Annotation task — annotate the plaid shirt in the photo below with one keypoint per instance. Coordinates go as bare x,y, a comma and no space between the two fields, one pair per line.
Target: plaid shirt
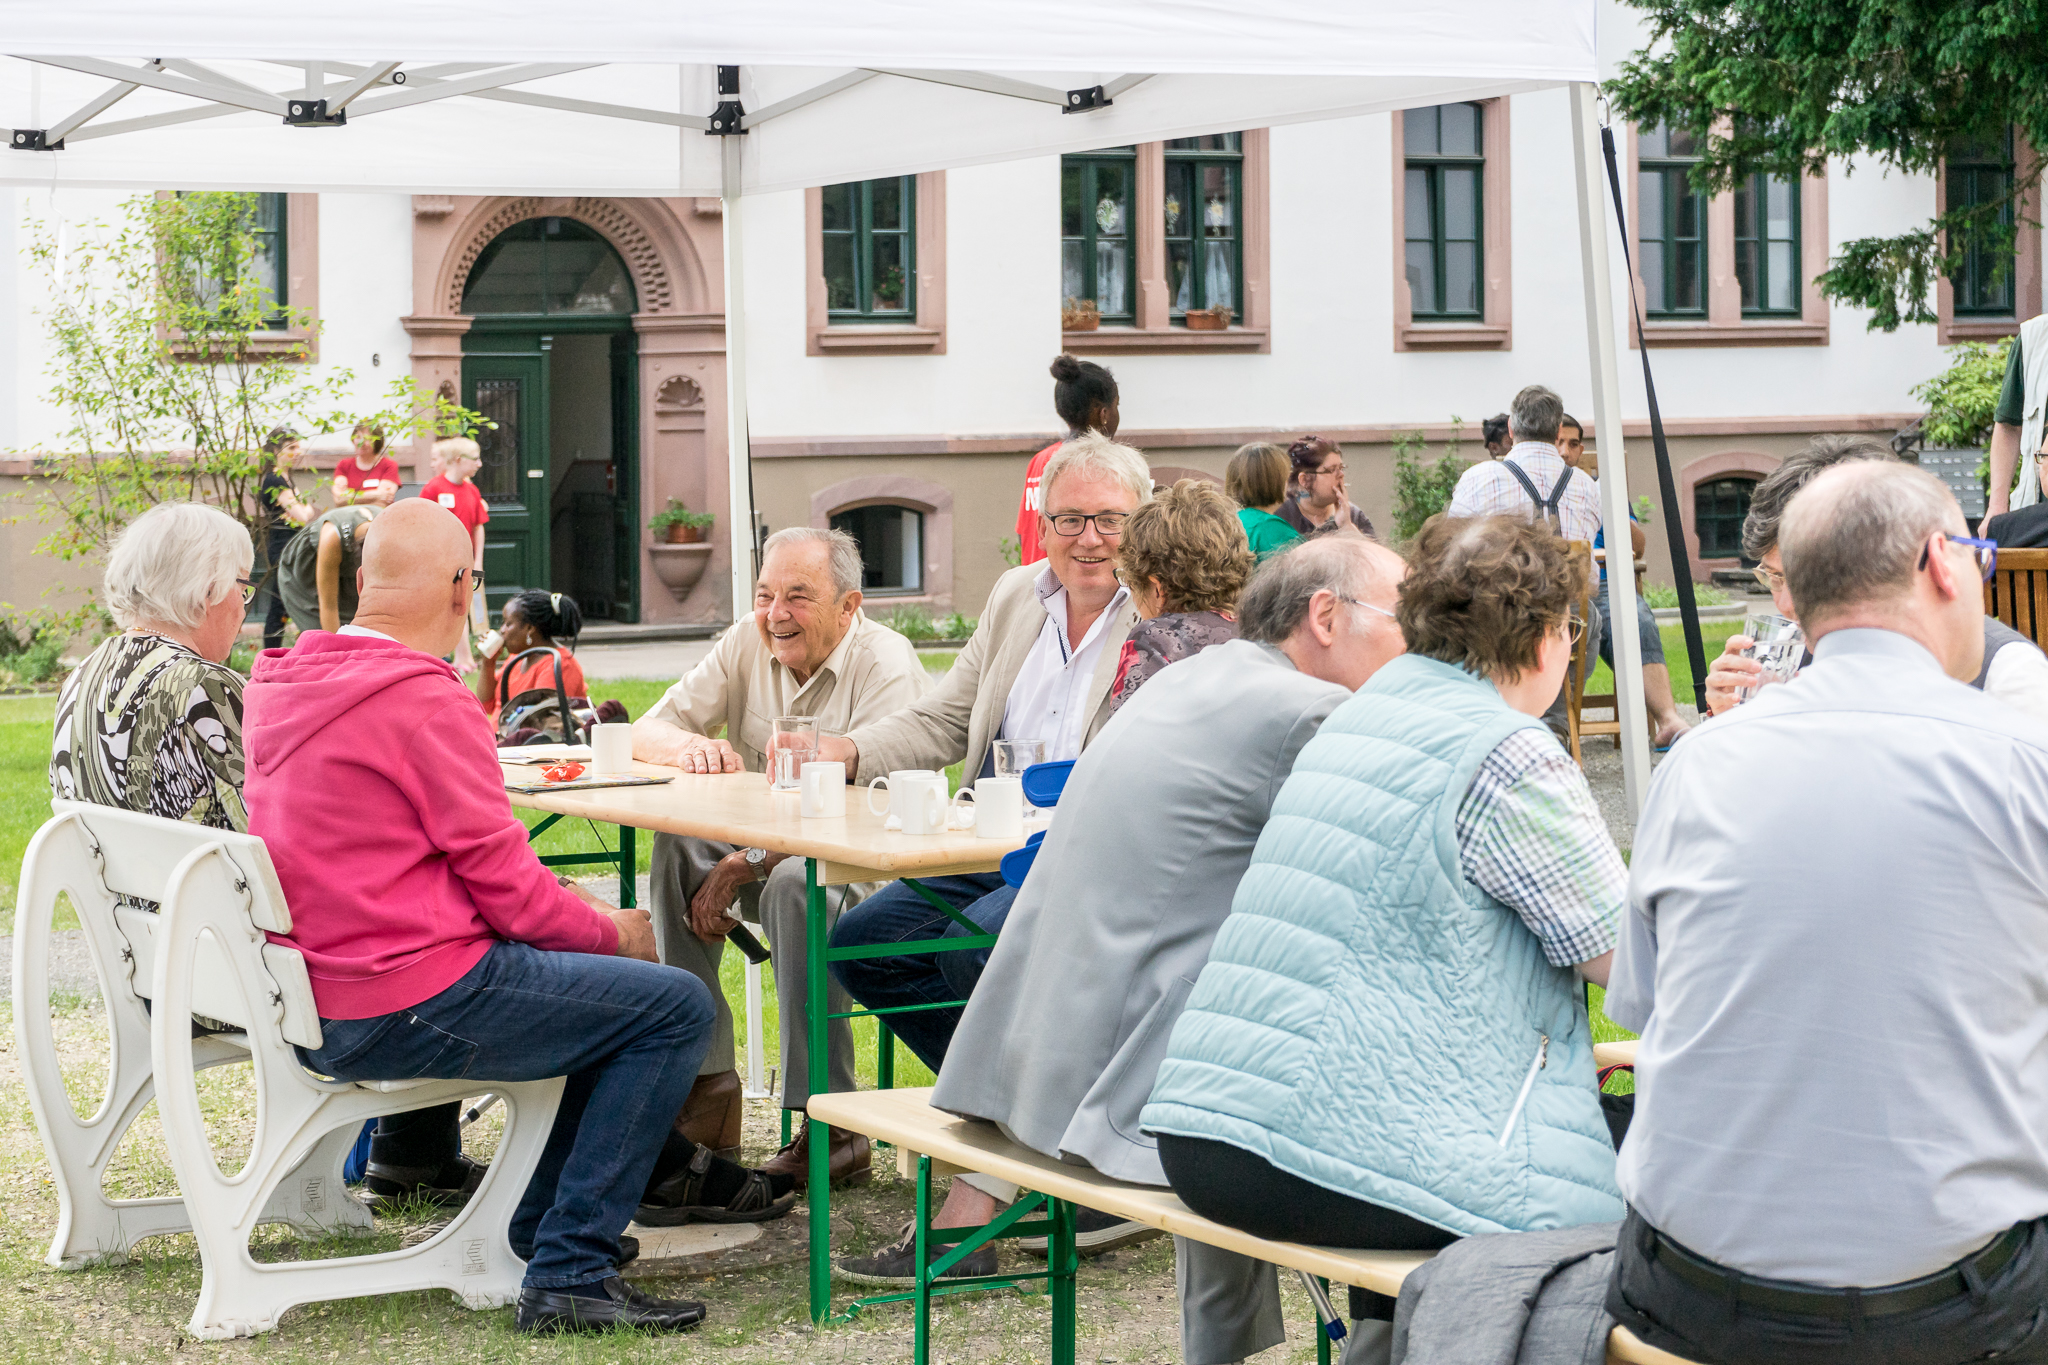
1530,835
1488,489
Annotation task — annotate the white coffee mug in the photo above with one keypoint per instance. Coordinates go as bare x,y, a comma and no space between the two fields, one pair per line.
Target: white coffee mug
917,800
611,749
998,807
824,790
893,784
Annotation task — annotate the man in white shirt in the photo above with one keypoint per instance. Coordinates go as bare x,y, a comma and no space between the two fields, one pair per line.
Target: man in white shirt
1834,948
1039,666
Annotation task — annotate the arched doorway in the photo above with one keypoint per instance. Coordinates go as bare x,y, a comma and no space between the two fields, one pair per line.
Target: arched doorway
550,359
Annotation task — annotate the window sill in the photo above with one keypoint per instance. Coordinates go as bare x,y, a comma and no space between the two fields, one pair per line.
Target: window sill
288,345
1734,334
1453,336
1979,329
1167,340
877,339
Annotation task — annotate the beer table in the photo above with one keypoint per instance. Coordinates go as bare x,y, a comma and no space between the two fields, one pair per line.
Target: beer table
739,809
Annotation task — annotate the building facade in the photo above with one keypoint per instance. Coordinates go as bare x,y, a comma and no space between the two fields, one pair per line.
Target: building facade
1355,279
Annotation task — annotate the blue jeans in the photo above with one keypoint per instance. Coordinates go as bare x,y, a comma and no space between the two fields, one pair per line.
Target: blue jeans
629,1036
897,914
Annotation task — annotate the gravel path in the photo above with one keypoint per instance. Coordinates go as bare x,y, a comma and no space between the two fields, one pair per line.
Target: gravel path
70,965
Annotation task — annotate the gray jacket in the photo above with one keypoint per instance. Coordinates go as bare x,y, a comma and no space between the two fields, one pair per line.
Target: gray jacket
1516,1298
1063,1036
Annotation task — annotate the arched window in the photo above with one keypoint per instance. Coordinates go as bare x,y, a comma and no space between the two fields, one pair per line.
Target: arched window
1719,506
549,266
891,540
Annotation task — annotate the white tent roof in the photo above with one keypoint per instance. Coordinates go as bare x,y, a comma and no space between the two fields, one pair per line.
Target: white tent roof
614,98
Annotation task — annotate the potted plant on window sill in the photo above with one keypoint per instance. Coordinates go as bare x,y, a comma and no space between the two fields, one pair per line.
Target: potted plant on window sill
1215,319
1080,315
678,525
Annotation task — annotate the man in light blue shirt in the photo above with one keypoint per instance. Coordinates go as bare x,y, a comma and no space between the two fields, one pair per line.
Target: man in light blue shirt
1836,949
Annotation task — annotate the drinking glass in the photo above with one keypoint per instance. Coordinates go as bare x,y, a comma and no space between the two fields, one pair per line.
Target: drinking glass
794,744
1777,643
1013,756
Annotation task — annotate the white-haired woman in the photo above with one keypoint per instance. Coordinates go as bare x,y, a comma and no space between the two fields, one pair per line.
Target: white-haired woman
152,720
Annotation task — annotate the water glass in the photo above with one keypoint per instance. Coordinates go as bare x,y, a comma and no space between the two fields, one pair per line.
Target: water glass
1013,756
1777,643
794,743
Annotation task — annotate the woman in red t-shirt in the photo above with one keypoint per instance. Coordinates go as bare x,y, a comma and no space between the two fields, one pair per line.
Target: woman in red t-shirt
1085,397
534,620
369,475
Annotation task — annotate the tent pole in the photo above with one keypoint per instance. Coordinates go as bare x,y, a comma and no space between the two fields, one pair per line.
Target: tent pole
740,508
1621,578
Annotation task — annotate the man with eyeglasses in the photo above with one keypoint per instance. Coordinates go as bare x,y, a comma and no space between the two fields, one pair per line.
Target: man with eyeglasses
2013,669
1833,949
1038,667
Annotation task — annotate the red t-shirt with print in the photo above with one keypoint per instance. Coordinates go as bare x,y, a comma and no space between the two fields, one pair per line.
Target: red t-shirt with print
1027,507
359,478
460,498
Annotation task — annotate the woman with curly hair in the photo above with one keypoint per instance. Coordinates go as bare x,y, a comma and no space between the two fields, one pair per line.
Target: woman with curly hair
1185,559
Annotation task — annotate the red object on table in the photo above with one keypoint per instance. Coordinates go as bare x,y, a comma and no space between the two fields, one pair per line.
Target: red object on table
562,772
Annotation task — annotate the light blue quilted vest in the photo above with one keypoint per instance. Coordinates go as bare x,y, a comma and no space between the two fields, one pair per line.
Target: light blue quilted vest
1371,1021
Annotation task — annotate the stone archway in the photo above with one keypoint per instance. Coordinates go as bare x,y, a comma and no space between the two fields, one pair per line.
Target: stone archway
680,326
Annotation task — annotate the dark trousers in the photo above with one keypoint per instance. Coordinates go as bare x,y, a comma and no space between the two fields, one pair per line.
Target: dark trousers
629,1036
273,609
897,914
2007,1320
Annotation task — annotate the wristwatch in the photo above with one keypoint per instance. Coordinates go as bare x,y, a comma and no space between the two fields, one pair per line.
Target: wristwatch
757,859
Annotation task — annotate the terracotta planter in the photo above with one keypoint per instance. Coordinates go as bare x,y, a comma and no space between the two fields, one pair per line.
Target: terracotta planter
679,567
1081,322
679,534
1206,321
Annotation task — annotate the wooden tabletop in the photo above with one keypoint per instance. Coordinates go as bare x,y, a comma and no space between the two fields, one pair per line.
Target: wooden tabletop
738,808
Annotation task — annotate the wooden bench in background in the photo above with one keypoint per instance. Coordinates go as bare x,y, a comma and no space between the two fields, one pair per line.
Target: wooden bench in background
941,1141
2017,593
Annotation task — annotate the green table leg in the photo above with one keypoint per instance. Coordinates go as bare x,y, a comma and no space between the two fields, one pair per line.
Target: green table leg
921,1344
820,1189
1064,1264
1322,1336
629,878
885,1055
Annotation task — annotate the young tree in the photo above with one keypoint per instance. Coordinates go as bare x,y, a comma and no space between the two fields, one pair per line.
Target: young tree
170,361
1781,85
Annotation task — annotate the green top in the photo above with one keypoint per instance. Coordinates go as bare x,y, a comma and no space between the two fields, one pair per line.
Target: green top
1267,533
2012,399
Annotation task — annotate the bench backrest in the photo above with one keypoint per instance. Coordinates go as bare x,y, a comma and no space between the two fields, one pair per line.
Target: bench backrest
2017,592
107,859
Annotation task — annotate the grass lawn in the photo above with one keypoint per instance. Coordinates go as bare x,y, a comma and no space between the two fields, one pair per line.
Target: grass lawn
1713,635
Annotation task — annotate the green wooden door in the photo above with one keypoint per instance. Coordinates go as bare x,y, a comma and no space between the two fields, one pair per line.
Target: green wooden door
511,390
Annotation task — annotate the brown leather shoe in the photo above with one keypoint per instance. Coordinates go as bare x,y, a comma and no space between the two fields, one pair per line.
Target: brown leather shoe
851,1160
711,1115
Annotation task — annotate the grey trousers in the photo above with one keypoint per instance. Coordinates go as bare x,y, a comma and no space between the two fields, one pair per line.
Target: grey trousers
680,866
1229,1304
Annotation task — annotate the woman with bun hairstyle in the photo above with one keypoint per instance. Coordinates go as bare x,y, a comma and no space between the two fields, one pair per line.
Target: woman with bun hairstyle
1084,395
533,620
1320,500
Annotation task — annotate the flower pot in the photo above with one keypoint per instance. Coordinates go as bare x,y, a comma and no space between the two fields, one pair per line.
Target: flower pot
679,566
1205,321
679,534
1080,322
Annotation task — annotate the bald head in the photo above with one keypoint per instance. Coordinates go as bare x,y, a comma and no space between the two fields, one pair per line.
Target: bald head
1851,538
412,584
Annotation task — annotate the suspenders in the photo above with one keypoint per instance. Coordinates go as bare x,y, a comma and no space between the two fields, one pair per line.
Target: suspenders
1548,510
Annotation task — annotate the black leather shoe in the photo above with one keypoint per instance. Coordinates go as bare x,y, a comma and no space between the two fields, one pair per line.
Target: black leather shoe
546,1311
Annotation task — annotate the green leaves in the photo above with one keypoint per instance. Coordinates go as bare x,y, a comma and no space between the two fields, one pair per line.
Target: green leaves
1423,489
1783,85
1962,399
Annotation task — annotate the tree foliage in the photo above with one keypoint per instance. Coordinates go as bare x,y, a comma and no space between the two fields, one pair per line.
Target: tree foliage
1423,487
1780,86
170,362
1962,399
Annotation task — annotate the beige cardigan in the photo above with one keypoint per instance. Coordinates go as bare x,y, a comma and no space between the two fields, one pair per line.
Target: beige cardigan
959,719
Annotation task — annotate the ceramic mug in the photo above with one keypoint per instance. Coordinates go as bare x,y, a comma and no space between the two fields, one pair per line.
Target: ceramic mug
916,799
893,785
824,791
998,807
611,750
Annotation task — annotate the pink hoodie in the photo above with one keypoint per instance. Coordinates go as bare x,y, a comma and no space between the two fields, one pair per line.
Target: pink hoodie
373,780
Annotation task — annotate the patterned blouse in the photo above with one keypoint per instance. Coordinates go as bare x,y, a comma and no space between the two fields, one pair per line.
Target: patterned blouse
145,724
1165,640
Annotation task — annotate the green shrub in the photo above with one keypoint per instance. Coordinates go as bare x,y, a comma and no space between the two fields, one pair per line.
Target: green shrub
1962,398
915,622
1666,595
30,655
1421,490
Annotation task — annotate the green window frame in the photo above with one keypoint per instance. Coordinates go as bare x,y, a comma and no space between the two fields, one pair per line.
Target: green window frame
1719,507
1098,252
1204,222
1767,255
870,250
1443,210
1671,224
268,264
1978,173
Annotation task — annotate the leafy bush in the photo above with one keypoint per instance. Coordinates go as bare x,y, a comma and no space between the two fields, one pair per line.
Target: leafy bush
30,655
1421,490
917,623
1962,399
1666,595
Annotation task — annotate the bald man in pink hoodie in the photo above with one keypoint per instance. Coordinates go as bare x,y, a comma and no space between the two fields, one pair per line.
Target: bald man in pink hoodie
439,946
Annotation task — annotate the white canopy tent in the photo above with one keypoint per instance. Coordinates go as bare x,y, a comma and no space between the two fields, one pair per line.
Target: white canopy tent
656,98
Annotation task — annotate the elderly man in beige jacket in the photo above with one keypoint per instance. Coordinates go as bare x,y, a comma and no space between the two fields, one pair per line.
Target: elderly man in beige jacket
1039,667
805,651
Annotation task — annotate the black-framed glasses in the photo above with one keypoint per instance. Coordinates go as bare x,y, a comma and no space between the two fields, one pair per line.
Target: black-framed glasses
248,587
1107,523
476,578
1985,552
